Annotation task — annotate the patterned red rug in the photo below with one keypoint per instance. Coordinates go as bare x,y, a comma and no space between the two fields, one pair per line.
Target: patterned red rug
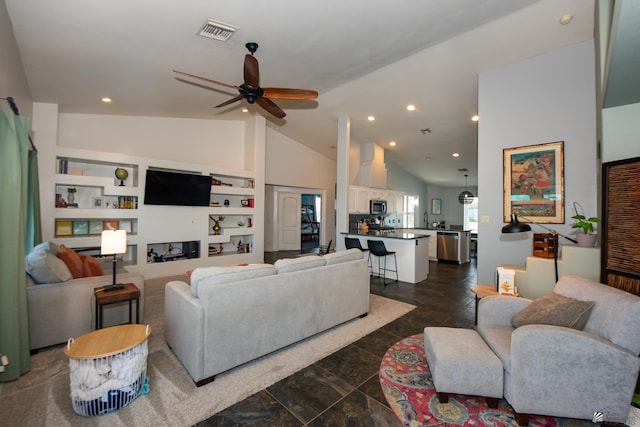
407,385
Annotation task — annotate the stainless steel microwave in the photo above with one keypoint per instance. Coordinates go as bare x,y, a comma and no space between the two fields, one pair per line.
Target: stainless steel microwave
377,207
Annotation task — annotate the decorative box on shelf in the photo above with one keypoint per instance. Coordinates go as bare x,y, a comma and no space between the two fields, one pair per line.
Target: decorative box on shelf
545,245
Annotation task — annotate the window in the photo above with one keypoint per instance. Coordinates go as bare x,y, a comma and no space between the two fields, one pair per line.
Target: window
410,204
471,216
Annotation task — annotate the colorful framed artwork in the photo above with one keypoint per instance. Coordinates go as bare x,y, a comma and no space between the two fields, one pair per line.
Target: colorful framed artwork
80,228
110,225
436,206
534,183
64,228
95,227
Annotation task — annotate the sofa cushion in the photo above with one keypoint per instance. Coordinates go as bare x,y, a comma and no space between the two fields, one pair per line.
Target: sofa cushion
555,309
44,267
91,266
207,276
343,256
72,260
287,265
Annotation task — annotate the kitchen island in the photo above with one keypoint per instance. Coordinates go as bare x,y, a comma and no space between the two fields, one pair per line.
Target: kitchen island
411,252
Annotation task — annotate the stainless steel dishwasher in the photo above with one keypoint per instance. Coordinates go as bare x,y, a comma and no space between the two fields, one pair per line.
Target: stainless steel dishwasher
448,246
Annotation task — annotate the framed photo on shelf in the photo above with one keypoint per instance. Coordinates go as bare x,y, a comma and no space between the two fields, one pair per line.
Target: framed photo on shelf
97,202
80,228
534,183
436,206
64,228
125,225
95,227
110,225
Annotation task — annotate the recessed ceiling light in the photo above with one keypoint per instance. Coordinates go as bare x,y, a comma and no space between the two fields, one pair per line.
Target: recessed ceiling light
456,155
392,143
245,110
565,19
411,107
371,118
475,118
106,100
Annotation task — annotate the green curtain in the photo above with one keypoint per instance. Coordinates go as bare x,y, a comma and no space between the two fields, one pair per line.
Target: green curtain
33,235
14,317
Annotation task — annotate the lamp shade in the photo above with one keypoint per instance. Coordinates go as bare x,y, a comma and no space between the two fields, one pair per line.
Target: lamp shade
515,226
113,242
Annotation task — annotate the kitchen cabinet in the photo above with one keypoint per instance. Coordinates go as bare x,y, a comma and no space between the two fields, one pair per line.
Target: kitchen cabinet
358,199
376,193
395,202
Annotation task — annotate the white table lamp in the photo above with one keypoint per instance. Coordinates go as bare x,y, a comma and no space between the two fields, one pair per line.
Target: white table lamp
113,242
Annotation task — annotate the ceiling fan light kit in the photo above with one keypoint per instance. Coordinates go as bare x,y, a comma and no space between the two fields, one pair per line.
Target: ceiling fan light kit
251,91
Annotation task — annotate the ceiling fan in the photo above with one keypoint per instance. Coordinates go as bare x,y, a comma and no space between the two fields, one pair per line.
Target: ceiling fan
251,90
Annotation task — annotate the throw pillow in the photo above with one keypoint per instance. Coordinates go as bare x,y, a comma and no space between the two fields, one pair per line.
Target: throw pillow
91,266
44,267
287,265
72,260
555,309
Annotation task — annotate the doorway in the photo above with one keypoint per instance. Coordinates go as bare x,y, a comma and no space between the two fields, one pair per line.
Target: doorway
288,224
310,222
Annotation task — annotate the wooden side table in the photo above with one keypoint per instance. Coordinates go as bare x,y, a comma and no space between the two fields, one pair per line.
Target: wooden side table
130,292
482,291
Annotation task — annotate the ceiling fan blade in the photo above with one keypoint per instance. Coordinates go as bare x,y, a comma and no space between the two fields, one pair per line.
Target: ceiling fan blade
205,79
251,71
287,93
270,107
231,101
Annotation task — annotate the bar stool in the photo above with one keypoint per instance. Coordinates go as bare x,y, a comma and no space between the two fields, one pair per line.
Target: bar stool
378,249
354,243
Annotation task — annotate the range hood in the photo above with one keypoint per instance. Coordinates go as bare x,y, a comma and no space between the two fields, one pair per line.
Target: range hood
373,170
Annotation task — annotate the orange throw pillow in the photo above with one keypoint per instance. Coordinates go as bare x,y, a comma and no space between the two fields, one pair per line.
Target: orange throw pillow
91,266
72,261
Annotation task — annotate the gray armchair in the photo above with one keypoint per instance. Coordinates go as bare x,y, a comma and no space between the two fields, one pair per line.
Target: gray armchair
559,371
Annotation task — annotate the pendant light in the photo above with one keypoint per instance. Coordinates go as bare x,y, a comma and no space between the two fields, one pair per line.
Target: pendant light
466,197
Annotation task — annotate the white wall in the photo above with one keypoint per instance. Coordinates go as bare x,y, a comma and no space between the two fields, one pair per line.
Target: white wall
206,146
547,98
13,81
290,164
620,132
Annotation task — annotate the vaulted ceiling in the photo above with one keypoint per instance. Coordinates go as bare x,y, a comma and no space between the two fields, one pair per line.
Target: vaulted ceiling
365,58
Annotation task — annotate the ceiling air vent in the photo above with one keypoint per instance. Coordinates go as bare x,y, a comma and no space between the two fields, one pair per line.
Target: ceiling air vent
217,30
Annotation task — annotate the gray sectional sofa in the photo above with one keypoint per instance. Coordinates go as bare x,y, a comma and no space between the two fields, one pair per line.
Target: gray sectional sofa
231,315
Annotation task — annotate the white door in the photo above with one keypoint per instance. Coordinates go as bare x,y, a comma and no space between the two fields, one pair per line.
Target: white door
289,205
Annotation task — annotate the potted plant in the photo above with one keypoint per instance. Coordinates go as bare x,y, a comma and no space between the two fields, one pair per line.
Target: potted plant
587,238
71,194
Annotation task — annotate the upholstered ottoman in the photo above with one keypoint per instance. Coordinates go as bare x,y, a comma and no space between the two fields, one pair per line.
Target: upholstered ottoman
461,363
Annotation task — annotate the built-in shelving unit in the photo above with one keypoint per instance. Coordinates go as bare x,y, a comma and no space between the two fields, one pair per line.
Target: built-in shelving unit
100,202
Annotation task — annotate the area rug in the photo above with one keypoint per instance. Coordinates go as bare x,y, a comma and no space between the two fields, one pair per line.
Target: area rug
41,397
408,387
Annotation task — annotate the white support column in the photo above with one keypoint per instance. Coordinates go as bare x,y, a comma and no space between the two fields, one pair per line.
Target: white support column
342,179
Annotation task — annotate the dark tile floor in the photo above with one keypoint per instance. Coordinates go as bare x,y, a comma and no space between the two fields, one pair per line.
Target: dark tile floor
343,388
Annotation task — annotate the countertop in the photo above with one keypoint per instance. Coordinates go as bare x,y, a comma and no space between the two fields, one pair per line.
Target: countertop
389,234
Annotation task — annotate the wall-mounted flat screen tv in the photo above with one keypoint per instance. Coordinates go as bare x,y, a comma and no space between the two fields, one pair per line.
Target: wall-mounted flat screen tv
174,188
